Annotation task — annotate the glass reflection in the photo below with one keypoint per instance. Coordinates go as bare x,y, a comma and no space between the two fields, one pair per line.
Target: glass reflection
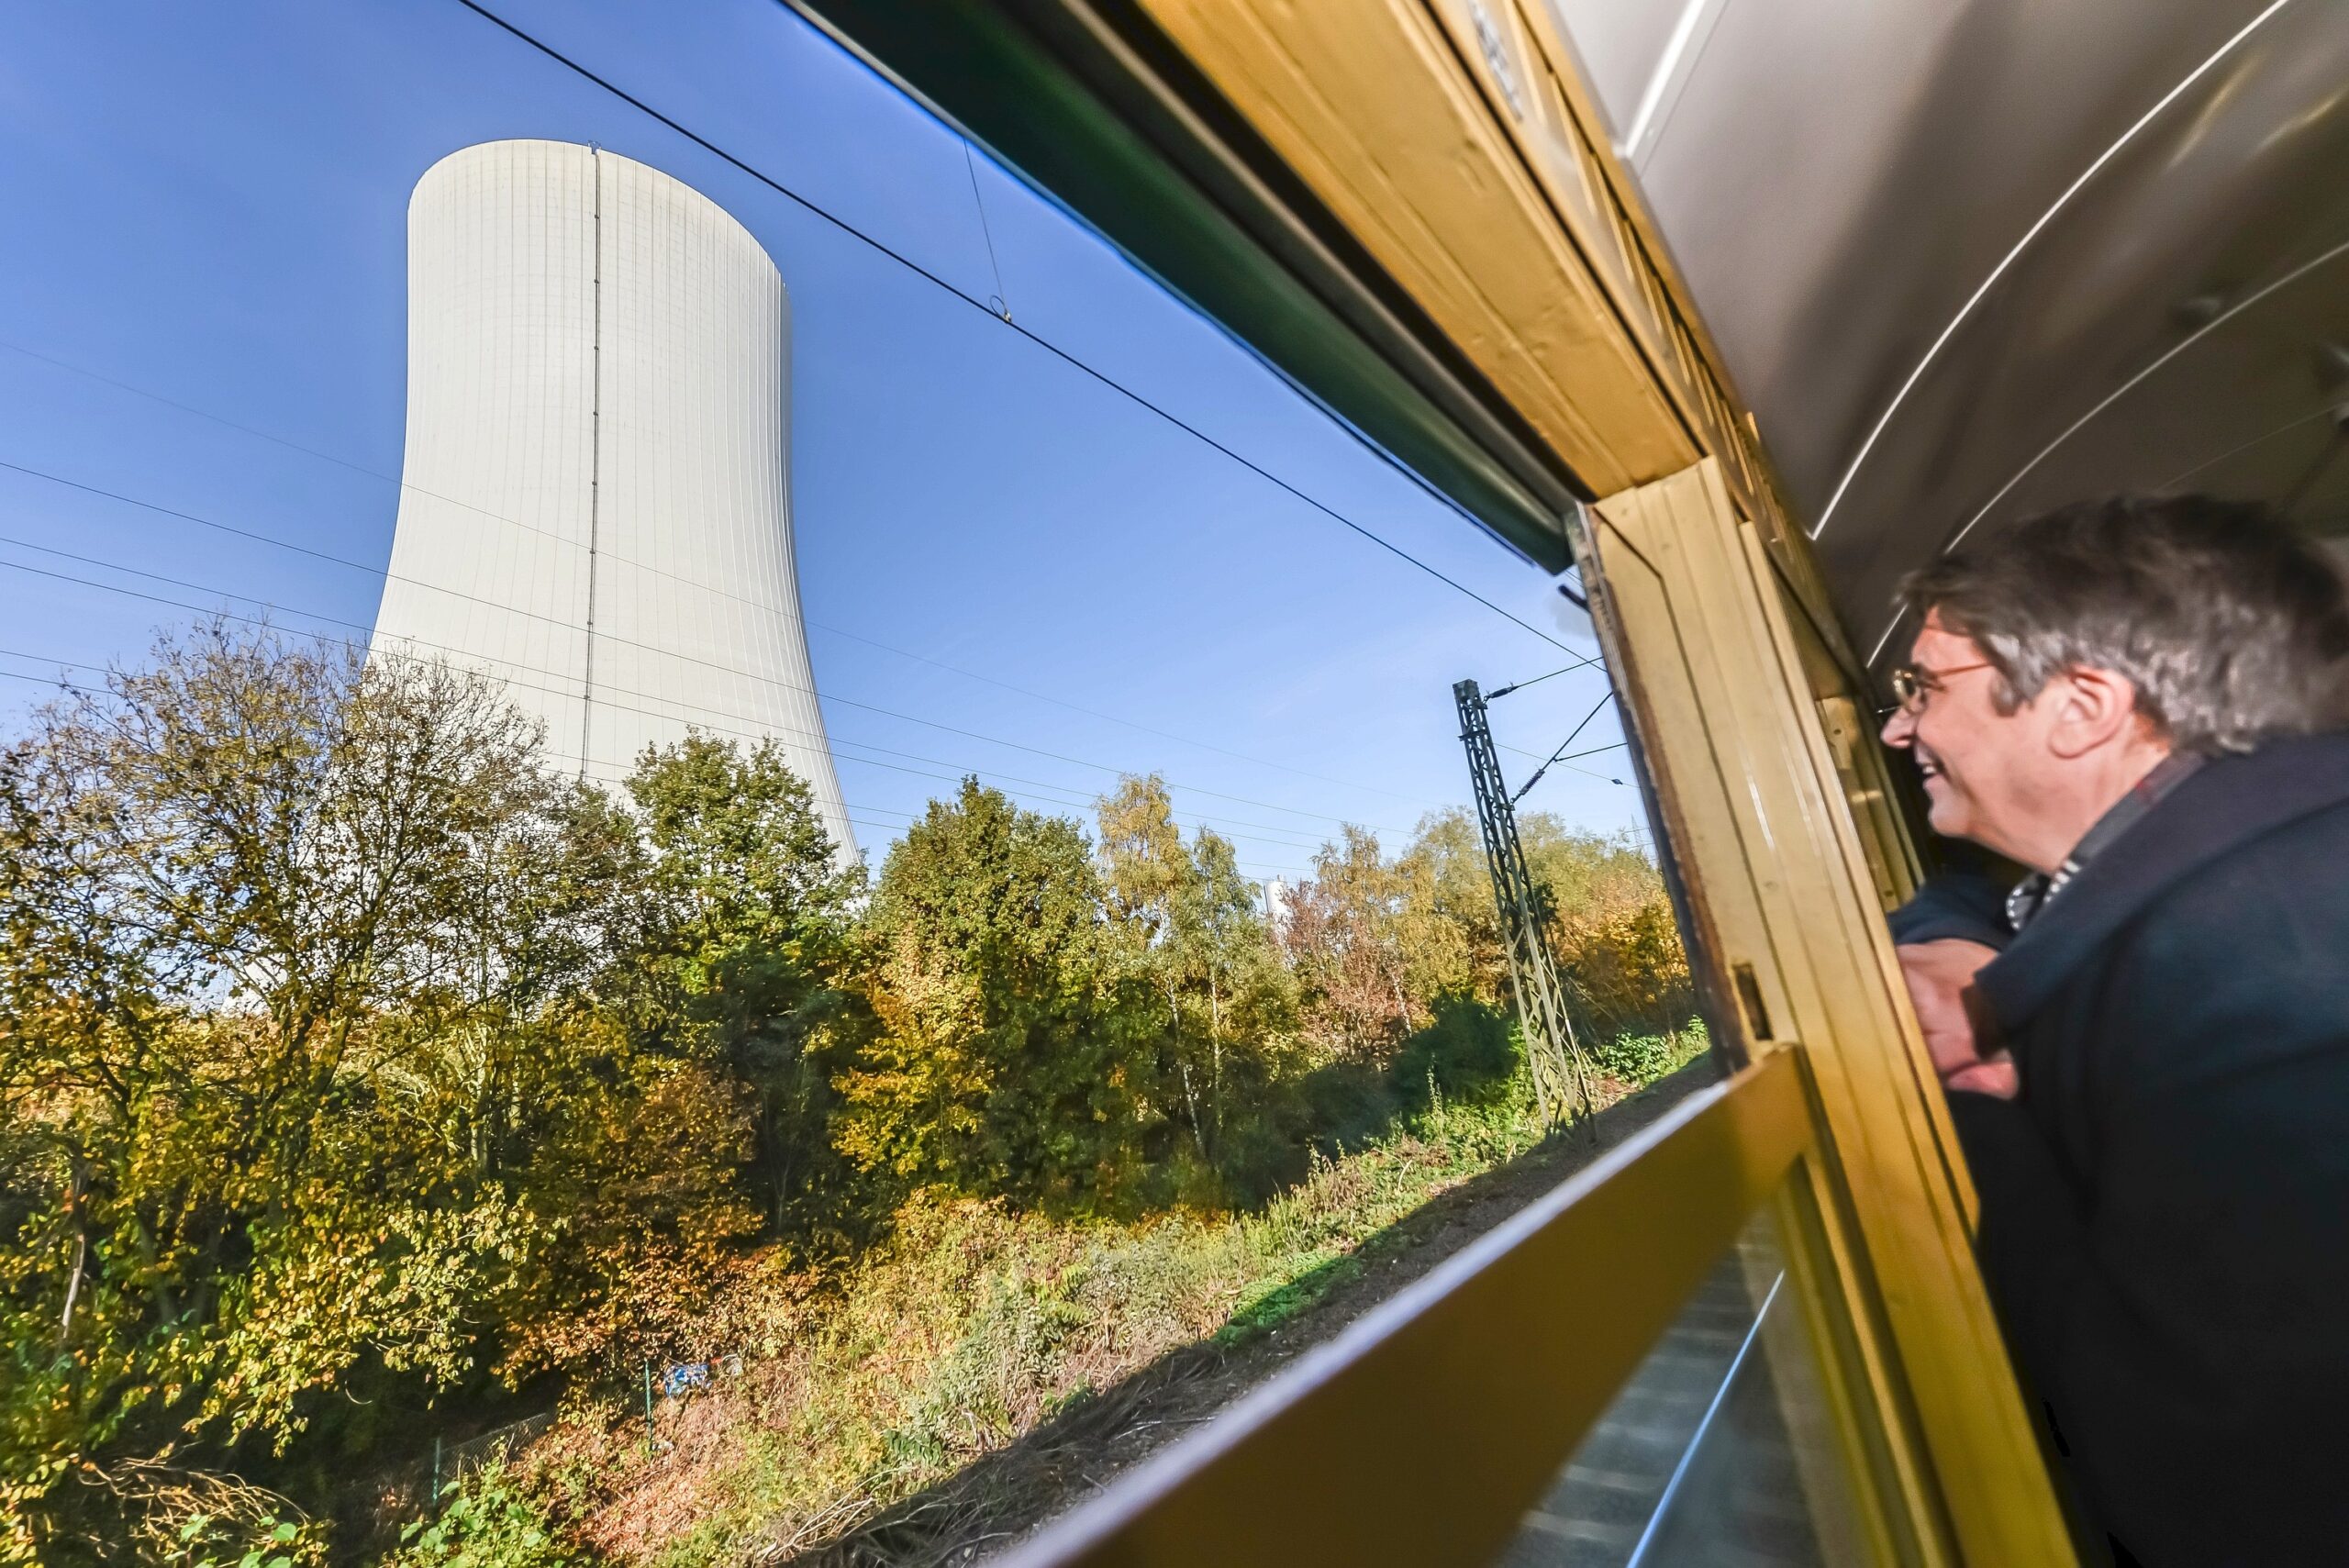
1716,1452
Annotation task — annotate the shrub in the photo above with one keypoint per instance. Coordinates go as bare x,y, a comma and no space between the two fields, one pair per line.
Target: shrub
486,1520
1263,1149
1467,1054
207,1541
1638,1059
1347,1104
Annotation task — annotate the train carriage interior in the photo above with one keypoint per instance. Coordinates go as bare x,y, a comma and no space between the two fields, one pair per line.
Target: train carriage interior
1736,312
2024,255
732,823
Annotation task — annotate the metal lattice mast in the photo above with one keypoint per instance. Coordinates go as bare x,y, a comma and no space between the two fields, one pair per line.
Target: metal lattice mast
1561,1078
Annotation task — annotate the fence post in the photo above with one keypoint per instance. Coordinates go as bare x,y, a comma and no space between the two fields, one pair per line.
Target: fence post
647,1407
432,1500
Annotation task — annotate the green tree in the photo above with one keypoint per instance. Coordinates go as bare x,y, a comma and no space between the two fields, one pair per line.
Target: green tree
304,1084
1186,923
1611,922
1448,929
1612,926
1149,885
1009,1054
1240,996
743,948
1146,871
222,875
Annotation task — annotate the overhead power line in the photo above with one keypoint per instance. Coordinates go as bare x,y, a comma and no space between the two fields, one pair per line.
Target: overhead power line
1560,754
1587,751
1582,664
845,702
387,574
940,282
606,775
764,730
612,777
1046,344
1199,820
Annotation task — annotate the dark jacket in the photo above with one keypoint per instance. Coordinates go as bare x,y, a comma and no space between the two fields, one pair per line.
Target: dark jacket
1957,906
2166,1207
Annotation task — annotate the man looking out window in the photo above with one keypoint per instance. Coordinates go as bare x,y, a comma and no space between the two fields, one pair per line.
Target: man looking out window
2146,1043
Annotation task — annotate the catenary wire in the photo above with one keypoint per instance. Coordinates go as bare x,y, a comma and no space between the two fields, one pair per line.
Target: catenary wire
1559,755
606,776
621,641
1218,825
386,575
646,567
940,282
846,702
1520,685
532,685
765,730
1230,826
1044,343
1221,824
1591,752
971,167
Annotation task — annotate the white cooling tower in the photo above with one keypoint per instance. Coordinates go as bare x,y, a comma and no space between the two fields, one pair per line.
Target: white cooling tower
597,506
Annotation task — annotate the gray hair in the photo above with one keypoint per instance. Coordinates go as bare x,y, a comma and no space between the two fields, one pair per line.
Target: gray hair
2232,629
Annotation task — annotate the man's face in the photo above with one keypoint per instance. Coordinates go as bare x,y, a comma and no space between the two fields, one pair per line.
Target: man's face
1981,767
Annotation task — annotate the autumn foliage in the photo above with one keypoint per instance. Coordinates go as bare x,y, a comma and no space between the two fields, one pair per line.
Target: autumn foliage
359,1068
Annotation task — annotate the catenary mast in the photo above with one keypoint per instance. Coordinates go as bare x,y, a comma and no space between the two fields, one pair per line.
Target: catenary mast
1561,1078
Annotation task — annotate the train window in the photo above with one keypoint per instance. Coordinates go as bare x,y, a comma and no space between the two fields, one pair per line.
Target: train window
717,842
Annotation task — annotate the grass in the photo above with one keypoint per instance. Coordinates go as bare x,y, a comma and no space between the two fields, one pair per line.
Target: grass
971,1327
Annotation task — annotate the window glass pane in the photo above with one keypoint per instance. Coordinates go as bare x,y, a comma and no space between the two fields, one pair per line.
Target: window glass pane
937,927
1716,1452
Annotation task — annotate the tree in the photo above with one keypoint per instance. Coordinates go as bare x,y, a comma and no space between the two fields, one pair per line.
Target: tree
305,1083
1448,927
743,949
223,874
1612,926
1008,1055
1145,870
1186,922
353,1059
1237,992
1611,922
1344,938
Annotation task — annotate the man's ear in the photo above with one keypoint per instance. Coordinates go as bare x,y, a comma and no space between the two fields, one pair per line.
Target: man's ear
2093,708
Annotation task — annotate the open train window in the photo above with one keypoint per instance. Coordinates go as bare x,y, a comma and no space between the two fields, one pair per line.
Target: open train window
721,845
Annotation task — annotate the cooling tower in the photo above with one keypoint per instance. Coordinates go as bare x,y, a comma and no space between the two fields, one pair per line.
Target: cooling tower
597,502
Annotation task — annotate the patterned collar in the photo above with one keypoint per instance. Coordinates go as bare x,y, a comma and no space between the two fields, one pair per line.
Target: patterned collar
2033,893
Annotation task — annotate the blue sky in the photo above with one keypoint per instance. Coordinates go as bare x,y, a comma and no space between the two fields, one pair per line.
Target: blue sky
209,206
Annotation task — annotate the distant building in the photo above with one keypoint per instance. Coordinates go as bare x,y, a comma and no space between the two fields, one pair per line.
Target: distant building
1277,907
597,503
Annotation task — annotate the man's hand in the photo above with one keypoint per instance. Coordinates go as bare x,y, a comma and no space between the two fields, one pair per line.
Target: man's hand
1940,983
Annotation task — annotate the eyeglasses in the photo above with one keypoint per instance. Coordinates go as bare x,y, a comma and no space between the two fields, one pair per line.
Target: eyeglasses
1913,683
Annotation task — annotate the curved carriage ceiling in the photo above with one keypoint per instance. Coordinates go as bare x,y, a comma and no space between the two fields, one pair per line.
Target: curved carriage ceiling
1970,260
